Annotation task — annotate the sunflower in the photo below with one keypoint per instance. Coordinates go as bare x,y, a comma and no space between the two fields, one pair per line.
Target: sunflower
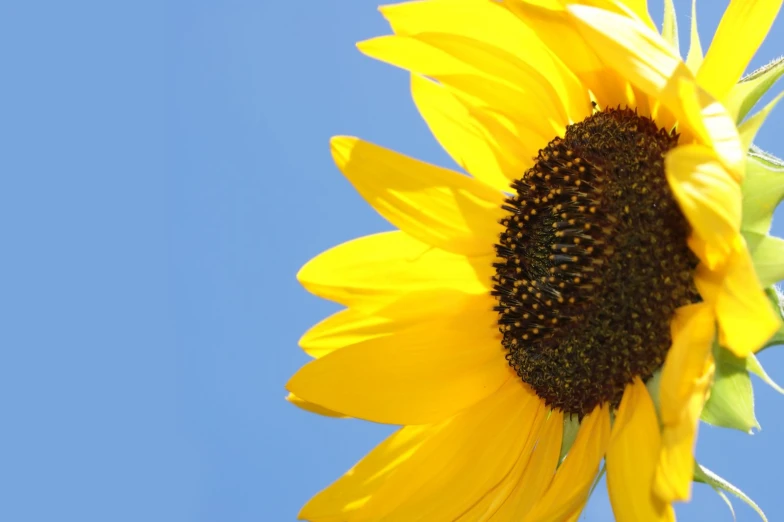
564,303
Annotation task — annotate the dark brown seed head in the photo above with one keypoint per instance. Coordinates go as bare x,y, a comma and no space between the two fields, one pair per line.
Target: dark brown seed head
593,262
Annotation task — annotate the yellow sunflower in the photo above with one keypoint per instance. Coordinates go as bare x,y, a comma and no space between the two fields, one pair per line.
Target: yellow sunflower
561,305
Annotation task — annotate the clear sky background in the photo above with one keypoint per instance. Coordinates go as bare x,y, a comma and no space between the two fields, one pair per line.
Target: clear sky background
164,173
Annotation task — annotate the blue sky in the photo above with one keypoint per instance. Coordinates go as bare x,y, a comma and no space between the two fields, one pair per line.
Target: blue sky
165,174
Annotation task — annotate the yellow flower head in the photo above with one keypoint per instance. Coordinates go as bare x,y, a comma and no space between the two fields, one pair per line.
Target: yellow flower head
560,305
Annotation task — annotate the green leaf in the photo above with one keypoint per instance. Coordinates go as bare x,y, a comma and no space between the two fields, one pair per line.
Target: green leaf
763,189
670,26
706,476
767,254
751,88
731,401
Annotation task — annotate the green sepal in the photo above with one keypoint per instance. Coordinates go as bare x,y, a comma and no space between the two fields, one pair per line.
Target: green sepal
705,476
777,300
670,26
753,365
762,189
767,254
694,56
766,158
653,384
570,428
731,401
746,93
749,128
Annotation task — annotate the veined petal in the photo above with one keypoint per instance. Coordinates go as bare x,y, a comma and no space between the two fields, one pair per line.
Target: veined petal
741,31
538,472
574,478
632,457
418,375
685,379
313,408
746,318
368,272
419,473
708,196
491,24
435,205
463,136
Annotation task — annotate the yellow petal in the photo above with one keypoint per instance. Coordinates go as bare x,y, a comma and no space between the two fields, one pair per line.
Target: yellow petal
538,472
573,480
478,74
463,136
420,472
418,375
575,516
641,56
708,196
741,31
638,8
350,492
714,126
435,205
503,34
355,325
632,457
554,27
515,140
636,51
313,408
688,370
745,315
368,272
345,328
491,501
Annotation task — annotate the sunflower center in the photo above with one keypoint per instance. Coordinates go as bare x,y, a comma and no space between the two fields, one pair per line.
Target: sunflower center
594,262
